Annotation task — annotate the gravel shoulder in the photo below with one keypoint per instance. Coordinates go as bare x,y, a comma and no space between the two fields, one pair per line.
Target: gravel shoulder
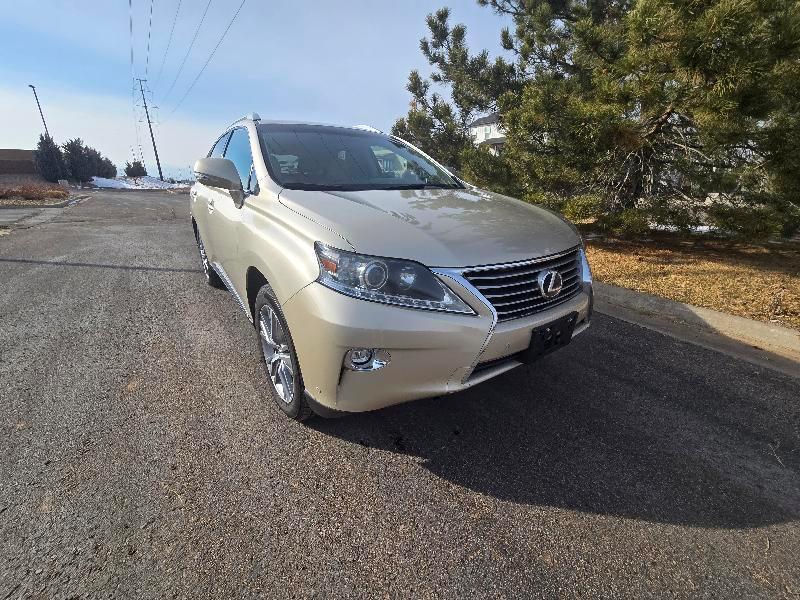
141,457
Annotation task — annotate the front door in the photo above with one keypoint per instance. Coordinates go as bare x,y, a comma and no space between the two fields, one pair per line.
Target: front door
202,199
223,224
225,214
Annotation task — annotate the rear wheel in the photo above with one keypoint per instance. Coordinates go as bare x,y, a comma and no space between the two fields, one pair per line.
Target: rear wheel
212,278
280,359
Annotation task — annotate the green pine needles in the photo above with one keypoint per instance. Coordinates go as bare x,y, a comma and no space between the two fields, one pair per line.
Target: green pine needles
627,113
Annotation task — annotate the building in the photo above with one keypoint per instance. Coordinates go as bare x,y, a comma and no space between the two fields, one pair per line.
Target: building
17,162
18,166
487,131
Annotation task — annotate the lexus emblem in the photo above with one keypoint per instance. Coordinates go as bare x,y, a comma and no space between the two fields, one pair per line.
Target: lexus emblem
550,282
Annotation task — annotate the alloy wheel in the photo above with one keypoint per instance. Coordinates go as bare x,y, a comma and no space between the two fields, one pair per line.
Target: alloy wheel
277,355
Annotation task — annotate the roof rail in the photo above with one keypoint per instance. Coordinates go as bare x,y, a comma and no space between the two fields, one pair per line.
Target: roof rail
251,116
367,128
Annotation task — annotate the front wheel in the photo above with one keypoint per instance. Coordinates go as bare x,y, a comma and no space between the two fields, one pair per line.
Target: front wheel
280,359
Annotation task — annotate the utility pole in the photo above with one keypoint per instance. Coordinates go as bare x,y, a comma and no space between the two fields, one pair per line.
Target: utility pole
35,95
150,125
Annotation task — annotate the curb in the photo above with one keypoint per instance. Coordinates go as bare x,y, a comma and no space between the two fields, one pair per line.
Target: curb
68,202
137,190
765,344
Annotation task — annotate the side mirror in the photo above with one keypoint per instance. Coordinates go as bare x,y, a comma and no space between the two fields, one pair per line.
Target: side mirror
220,173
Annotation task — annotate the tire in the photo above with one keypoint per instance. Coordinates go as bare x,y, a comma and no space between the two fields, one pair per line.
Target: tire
212,277
279,358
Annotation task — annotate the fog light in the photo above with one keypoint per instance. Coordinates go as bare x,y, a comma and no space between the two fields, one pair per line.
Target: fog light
365,359
360,356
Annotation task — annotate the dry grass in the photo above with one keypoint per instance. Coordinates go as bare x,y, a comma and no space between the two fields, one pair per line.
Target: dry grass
32,193
757,282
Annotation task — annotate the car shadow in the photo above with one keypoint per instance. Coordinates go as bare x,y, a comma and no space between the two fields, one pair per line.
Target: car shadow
623,422
61,263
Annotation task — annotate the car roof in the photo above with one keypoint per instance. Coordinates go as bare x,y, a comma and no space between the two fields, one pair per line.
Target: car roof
256,119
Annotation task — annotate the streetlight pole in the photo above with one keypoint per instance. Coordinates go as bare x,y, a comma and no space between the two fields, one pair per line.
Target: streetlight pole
35,95
150,125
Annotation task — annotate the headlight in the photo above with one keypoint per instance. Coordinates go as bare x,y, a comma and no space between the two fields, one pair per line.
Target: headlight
386,280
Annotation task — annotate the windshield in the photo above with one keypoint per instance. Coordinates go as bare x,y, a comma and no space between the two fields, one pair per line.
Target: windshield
320,157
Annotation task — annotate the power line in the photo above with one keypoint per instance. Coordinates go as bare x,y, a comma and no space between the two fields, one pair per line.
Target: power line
149,32
169,43
191,45
130,22
210,56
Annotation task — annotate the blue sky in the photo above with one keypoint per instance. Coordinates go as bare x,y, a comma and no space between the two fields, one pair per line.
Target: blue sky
338,62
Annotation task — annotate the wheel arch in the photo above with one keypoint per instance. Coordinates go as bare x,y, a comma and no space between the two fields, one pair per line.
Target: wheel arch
254,281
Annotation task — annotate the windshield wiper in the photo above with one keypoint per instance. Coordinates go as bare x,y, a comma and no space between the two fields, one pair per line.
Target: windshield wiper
418,186
360,187
321,187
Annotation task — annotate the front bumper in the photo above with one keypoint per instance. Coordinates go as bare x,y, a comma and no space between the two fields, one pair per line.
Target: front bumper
432,353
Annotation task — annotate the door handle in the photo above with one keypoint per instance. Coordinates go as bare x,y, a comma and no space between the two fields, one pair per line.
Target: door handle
210,205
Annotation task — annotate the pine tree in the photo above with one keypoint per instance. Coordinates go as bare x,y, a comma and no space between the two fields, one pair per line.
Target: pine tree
99,165
634,110
135,169
440,127
107,168
49,160
78,161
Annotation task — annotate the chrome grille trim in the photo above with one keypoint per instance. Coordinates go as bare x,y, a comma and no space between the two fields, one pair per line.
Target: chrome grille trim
515,292
512,289
457,276
492,277
521,263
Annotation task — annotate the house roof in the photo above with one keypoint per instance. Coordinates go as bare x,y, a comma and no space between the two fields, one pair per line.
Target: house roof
487,120
495,140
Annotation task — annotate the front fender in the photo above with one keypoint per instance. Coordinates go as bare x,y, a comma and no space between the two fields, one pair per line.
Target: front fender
280,244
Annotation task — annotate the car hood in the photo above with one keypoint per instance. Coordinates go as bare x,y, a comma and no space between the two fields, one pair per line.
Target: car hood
437,227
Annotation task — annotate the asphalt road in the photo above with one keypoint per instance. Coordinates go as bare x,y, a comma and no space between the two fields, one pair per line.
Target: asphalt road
141,457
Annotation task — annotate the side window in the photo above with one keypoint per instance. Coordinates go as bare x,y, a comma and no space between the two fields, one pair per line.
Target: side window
252,184
239,154
219,147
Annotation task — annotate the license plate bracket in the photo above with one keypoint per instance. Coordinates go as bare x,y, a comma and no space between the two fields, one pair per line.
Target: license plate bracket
550,337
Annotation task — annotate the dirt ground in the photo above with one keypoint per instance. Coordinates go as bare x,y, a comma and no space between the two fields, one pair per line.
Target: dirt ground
758,282
32,193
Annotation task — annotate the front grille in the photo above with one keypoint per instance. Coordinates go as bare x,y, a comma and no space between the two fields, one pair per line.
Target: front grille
514,291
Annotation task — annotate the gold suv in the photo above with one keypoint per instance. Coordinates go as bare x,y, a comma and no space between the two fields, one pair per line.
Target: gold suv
374,276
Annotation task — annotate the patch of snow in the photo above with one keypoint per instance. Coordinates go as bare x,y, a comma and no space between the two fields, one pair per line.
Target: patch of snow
103,182
134,183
